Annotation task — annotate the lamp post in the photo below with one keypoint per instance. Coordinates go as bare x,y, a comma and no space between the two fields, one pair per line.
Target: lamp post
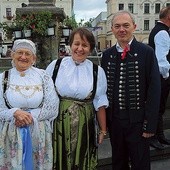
66,31
65,34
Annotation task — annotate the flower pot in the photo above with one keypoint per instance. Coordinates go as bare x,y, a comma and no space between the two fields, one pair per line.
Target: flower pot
66,32
50,31
18,34
27,33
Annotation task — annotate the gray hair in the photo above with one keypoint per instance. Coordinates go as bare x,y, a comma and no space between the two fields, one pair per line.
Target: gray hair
123,12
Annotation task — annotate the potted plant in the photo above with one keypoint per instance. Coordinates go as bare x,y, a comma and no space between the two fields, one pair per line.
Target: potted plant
8,30
24,21
70,22
36,22
51,29
40,22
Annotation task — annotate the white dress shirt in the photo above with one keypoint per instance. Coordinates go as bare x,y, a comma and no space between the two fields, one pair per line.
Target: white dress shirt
76,81
162,47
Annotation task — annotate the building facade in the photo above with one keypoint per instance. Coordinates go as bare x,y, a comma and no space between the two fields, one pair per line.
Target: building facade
146,13
99,30
66,5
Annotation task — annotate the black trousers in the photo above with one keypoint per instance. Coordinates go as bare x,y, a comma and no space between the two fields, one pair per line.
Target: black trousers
165,89
128,145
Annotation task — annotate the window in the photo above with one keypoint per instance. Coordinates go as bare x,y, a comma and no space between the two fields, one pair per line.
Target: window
146,25
157,8
130,7
167,4
8,12
121,7
146,8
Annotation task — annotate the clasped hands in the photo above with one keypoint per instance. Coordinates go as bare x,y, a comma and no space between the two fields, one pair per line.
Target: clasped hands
22,118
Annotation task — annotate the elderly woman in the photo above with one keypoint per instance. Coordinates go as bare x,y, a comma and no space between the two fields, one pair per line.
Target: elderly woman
28,106
81,86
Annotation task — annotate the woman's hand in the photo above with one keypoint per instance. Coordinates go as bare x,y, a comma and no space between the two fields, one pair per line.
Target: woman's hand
101,117
101,136
22,118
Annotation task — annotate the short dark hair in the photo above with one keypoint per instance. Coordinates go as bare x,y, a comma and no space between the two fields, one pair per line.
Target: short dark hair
164,12
83,32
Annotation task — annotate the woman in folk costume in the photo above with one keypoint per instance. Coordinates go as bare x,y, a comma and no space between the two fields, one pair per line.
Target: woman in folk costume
28,106
81,86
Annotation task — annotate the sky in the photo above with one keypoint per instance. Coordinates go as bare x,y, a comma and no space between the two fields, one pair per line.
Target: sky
86,9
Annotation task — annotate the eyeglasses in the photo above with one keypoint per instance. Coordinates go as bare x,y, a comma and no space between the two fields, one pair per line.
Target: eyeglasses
21,53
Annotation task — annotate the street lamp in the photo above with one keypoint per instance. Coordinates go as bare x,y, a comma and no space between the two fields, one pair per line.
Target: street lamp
66,31
27,33
51,30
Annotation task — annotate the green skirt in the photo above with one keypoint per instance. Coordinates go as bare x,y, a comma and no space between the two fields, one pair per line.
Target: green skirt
74,136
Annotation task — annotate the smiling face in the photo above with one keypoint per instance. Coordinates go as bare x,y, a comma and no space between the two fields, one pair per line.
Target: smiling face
80,48
123,28
23,59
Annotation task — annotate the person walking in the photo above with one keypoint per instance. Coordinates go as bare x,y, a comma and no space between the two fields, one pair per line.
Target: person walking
133,91
159,40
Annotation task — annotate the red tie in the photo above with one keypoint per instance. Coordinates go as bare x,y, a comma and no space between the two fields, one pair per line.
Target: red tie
125,50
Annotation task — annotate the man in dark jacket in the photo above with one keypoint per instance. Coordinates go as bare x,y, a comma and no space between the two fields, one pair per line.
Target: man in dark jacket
159,40
133,92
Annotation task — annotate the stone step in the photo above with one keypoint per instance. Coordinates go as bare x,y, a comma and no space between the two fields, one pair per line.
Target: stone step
104,153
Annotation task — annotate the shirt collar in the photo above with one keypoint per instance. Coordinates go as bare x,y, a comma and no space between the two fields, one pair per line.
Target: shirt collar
119,48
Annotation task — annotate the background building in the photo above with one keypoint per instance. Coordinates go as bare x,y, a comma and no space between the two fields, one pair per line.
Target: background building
8,14
99,30
145,12
66,5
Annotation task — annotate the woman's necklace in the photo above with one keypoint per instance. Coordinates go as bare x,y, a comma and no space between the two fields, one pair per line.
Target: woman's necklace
26,91
22,74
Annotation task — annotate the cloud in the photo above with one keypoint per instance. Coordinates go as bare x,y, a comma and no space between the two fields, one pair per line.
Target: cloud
84,9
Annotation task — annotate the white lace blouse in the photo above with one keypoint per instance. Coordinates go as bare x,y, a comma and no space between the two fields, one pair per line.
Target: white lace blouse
76,81
33,92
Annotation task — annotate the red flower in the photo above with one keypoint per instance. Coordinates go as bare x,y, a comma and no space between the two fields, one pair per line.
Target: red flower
33,26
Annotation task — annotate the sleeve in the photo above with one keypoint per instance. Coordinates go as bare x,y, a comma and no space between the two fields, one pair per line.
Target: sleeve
153,92
100,98
5,113
50,68
49,109
162,47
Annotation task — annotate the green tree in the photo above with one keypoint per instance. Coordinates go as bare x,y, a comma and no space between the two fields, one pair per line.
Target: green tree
70,22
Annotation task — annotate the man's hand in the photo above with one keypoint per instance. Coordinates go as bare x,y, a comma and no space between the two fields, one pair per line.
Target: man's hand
147,135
